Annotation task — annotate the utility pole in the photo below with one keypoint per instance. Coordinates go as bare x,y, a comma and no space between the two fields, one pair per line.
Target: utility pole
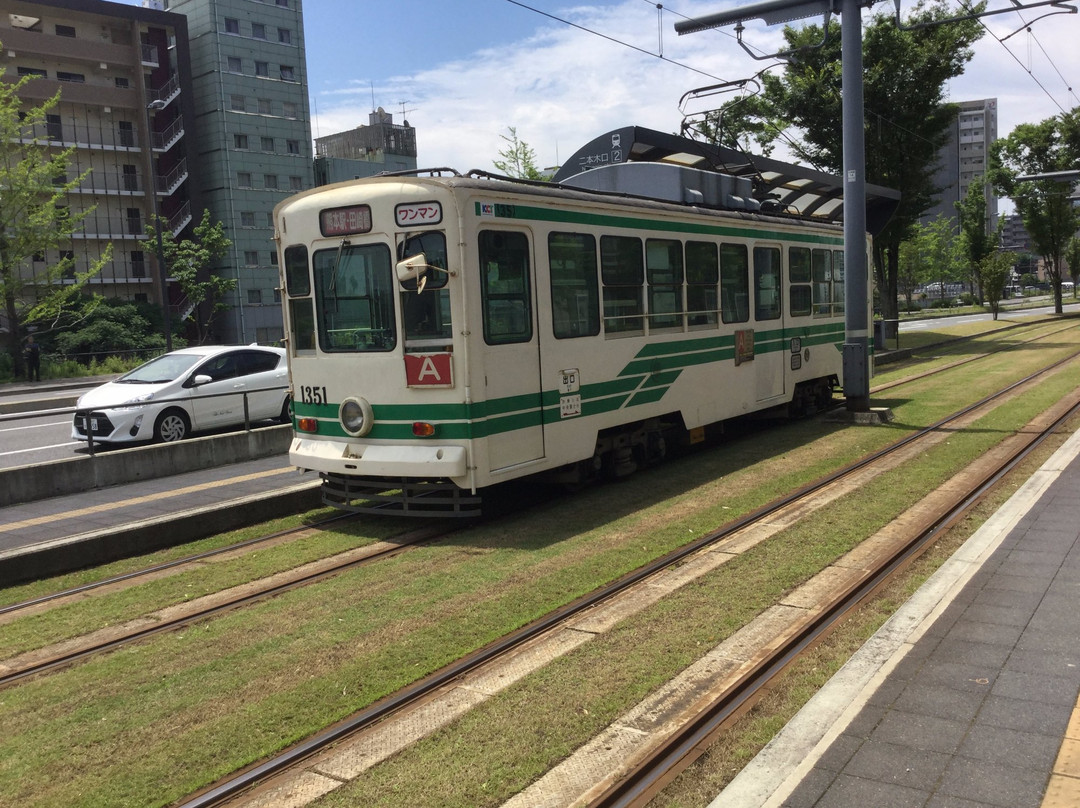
856,321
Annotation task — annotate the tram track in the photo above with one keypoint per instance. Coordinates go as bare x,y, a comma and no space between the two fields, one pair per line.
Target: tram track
133,577
175,566
62,654
969,359
509,658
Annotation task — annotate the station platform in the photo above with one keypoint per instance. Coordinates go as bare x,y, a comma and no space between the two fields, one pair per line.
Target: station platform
967,696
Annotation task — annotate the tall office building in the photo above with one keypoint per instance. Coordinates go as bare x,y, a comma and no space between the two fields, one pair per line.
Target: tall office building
964,158
125,108
252,142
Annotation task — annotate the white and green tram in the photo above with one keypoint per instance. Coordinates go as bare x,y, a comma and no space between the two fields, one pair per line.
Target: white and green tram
447,333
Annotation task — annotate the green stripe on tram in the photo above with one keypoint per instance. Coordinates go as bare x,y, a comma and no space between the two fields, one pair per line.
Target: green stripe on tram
558,216
644,379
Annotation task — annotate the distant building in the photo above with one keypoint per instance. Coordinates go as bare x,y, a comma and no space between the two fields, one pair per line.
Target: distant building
1014,237
365,151
179,106
126,107
963,160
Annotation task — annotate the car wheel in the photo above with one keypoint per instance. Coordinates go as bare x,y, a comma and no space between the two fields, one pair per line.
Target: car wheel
171,425
286,411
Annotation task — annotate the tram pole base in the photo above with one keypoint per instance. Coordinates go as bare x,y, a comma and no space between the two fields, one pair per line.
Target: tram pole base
871,416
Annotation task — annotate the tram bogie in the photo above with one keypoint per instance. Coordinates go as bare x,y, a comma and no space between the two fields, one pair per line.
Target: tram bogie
446,334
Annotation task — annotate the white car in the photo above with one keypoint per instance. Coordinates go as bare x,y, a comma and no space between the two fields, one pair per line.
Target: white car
189,390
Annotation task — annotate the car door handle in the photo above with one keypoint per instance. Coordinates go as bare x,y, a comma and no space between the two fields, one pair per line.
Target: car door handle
238,387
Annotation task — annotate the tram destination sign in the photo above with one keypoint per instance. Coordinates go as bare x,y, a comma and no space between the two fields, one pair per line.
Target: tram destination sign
345,221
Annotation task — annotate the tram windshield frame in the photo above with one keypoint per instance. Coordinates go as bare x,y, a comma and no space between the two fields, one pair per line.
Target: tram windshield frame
354,298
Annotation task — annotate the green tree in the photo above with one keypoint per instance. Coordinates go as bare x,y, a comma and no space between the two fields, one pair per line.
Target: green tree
1072,259
34,219
994,270
911,272
189,263
907,119
942,252
975,241
518,159
1049,216
114,327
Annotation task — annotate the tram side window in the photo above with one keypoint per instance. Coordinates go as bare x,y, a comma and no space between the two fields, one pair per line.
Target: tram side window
734,283
354,298
297,280
838,282
623,273
426,315
822,269
766,283
664,269
505,291
301,309
800,299
702,279
575,299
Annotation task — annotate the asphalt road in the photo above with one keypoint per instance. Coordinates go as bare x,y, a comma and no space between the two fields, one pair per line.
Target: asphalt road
1007,310
40,439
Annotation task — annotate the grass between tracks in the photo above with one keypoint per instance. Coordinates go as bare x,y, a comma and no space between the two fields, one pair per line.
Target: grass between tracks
151,722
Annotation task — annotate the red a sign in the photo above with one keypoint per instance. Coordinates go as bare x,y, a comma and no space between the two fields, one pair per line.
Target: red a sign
428,370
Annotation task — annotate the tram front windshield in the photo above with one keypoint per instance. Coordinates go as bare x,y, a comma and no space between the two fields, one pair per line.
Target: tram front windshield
354,296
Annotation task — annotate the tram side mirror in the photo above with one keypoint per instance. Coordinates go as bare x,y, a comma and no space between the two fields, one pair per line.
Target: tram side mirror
412,268
415,268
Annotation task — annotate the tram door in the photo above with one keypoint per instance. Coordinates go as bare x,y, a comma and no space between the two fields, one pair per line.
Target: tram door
770,354
511,349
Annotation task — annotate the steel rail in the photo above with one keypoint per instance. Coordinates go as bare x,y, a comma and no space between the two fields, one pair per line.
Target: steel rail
422,534
216,795
962,362
128,576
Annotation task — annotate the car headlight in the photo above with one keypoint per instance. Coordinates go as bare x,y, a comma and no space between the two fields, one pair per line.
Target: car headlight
356,416
134,403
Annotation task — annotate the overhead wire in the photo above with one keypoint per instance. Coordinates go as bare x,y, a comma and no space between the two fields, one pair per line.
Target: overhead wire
1001,41
782,133
660,56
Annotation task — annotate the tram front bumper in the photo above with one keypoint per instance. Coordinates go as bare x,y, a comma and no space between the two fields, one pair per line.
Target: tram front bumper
379,460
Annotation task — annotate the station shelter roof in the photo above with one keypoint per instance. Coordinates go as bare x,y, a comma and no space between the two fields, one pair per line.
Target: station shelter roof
796,189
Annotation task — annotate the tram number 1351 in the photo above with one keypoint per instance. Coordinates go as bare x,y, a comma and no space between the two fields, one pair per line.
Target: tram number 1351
313,395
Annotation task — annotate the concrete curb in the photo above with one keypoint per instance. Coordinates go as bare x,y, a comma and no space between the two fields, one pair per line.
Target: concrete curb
102,546
117,466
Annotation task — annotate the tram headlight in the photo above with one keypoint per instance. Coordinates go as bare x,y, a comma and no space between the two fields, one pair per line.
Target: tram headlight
356,416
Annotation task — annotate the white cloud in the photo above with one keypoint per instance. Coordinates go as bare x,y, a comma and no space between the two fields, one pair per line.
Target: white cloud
562,86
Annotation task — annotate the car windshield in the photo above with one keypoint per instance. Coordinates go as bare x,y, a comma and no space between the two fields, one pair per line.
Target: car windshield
163,369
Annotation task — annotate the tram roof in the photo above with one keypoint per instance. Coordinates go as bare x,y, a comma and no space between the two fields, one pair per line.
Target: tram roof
798,188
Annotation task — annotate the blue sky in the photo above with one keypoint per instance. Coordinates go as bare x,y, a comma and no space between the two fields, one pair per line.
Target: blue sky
466,70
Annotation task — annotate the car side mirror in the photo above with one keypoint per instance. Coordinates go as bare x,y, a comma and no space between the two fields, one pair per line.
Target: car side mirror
202,378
